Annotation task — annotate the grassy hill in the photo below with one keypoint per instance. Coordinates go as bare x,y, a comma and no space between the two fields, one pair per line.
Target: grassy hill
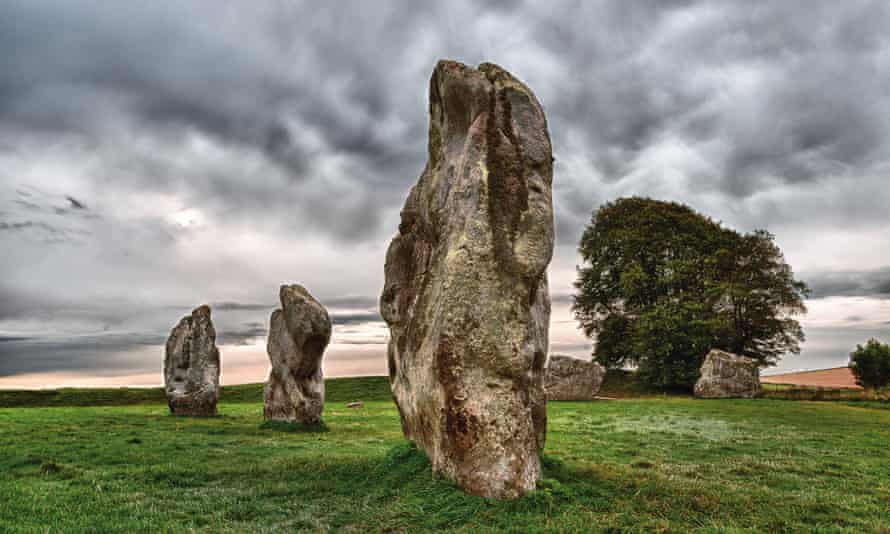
618,384
336,389
647,464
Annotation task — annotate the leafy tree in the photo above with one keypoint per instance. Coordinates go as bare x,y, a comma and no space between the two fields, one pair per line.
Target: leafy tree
758,298
614,343
674,338
662,284
636,252
871,365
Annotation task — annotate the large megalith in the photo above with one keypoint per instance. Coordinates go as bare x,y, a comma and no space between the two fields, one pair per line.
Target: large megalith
191,365
725,375
299,333
571,379
465,295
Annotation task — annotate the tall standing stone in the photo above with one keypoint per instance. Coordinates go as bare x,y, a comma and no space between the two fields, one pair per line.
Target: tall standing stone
725,375
466,296
191,365
299,333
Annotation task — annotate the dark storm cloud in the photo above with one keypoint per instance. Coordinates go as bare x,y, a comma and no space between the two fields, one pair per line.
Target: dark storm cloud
343,310
294,130
351,318
43,232
777,93
4,339
229,306
297,90
97,354
24,225
875,283
123,337
720,95
76,204
245,334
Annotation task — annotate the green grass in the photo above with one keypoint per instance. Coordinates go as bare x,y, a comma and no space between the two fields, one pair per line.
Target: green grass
337,390
667,464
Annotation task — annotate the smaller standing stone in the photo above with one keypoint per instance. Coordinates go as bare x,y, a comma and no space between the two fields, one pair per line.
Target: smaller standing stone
298,336
191,365
725,375
569,378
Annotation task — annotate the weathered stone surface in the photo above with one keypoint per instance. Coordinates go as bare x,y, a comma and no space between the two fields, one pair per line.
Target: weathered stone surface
726,375
466,294
191,365
298,335
569,378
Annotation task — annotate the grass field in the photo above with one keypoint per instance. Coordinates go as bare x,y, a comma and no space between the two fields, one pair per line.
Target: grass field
664,463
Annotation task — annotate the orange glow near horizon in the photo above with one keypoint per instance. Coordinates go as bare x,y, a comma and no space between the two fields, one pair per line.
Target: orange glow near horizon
242,364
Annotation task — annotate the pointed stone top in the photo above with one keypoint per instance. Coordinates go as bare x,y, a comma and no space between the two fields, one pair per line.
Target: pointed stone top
202,310
291,290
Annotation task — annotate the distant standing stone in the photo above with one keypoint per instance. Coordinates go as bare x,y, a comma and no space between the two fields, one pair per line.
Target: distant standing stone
298,336
191,365
569,378
466,296
725,375
357,404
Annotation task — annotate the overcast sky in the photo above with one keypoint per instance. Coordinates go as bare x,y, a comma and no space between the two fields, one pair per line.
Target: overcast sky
158,155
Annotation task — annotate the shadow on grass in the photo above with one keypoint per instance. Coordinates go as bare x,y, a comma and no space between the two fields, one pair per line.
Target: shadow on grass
195,416
405,466
286,426
398,490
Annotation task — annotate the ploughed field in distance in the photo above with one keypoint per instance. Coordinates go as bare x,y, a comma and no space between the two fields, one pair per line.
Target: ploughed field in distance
661,463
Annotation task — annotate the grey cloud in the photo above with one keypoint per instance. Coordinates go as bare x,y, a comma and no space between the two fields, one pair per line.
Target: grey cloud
764,98
335,307
242,335
149,69
44,232
229,306
874,283
350,318
5,339
38,203
761,96
351,301
298,127
830,347
24,225
75,204
96,354
28,205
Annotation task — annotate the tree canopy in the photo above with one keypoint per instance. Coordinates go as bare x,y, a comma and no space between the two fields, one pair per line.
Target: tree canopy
870,364
661,284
